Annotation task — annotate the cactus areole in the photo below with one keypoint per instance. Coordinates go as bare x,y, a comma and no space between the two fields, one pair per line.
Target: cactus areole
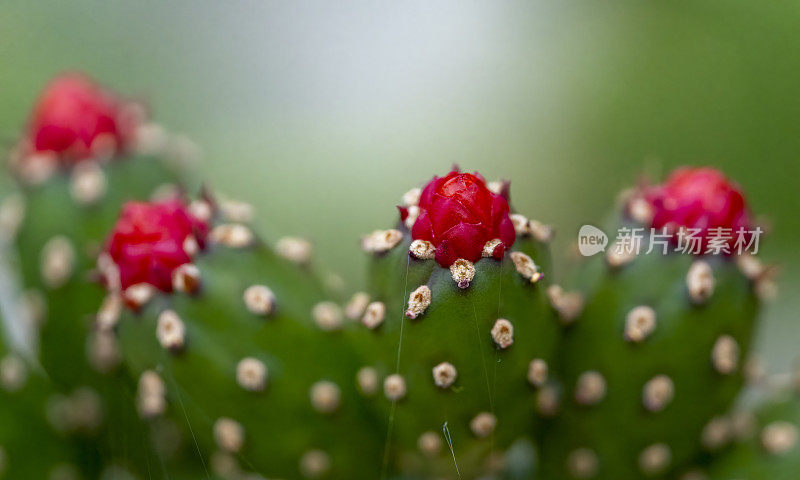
459,215
151,240
699,199
76,119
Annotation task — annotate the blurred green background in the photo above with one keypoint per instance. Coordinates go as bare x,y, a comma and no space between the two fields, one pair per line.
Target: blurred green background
323,113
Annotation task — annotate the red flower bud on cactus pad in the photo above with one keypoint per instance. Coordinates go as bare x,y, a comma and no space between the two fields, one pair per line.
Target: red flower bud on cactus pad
152,239
458,214
75,119
703,200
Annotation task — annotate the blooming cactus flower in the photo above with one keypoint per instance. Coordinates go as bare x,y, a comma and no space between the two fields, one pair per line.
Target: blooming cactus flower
152,239
75,119
703,200
458,214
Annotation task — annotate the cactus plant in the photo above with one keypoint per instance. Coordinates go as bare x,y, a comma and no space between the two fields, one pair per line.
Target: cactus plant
457,323
84,152
238,340
658,351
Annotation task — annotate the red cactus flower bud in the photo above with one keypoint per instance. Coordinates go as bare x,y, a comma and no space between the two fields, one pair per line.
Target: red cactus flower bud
149,241
459,215
76,119
703,200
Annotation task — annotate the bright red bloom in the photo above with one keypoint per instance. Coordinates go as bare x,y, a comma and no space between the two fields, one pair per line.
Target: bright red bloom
74,118
148,242
459,214
701,199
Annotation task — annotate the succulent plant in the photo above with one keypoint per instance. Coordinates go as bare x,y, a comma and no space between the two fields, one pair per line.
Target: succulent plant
657,353
239,341
84,152
457,325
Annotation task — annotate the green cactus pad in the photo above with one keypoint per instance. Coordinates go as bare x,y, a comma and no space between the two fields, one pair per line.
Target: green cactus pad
640,384
263,387
464,392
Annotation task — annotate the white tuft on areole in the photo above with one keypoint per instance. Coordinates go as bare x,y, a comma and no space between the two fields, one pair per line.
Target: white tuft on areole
590,389
394,387
640,209
411,197
259,299
367,380
109,312
251,374
779,437
138,295
149,138
717,433
422,249
725,355
430,444
190,245
296,250
37,168
582,463
520,223
411,217
314,464
619,256
541,232
483,424
150,395
356,305
170,331
325,396
13,373
228,434
462,271
548,401
102,351
655,459
57,261
503,333
374,315
537,372
700,282
658,393
201,210
444,374
418,301
640,322
568,305
327,316
87,183
186,278
233,235
525,266
381,241
489,247
12,213
236,211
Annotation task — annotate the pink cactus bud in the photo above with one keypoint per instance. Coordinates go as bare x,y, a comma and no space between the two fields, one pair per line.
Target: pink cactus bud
701,199
75,119
148,242
459,215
